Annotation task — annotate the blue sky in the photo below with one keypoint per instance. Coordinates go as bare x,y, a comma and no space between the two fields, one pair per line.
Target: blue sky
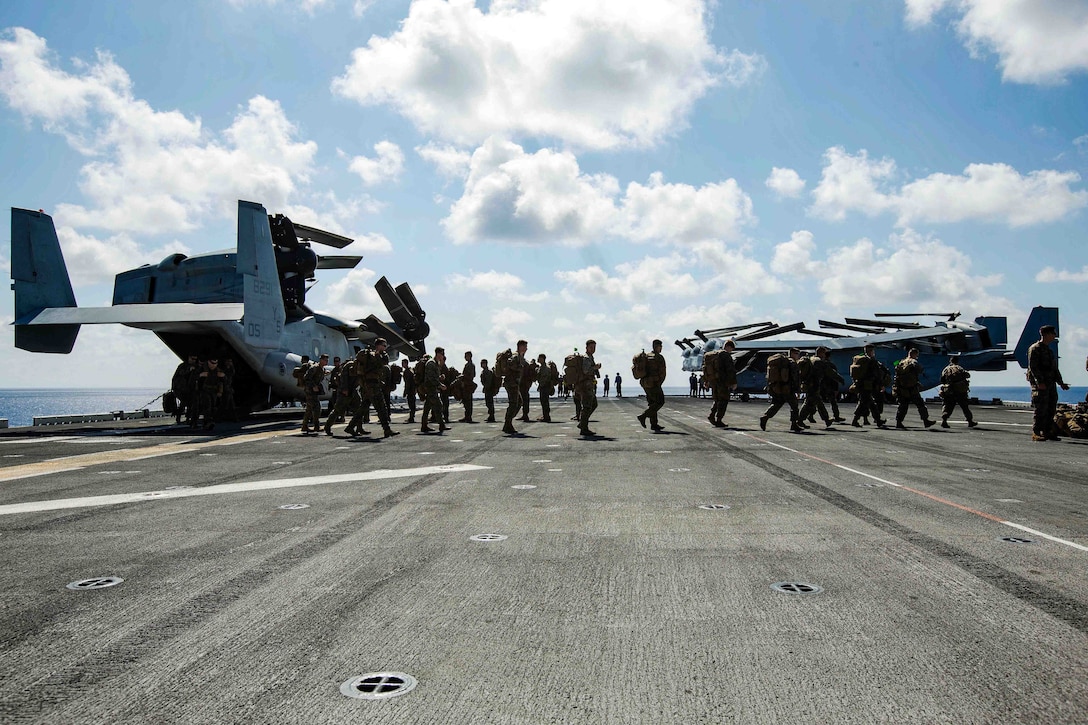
557,170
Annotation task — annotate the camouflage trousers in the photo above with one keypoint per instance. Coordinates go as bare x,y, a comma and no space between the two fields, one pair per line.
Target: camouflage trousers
867,406
313,411
513,405
432,406
951,400
906,397
344,403
375,395
655,401
814,404
588,393
777,401
1044,398
489,403
720,393
545,407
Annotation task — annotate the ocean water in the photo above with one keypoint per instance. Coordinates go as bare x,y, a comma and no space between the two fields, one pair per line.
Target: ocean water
20,406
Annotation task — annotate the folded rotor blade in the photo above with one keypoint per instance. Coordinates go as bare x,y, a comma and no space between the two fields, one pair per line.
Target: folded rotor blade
338,261
310,234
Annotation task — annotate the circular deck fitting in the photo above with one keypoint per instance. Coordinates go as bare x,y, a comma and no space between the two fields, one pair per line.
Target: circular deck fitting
98,582
796,588
679,470
378,685
488,537
1017,540
294,506
715,506
523,486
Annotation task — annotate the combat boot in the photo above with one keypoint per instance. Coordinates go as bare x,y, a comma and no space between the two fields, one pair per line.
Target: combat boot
944,423
972,423
426,429
328,428
442,427
929,423
389,433
641,420
1037,437
856,424
509,429
490,419
763,423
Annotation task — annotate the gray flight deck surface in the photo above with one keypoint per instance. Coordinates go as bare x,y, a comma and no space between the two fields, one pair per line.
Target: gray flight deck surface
614,598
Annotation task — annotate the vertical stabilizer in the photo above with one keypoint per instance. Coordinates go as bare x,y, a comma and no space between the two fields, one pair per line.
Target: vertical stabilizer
40,280
264,314
1039,316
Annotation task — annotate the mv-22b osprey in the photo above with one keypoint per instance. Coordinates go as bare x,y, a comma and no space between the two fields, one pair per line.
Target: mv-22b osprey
248,304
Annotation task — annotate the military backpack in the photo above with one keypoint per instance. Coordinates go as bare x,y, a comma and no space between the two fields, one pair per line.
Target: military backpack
638,365
710,367
573,371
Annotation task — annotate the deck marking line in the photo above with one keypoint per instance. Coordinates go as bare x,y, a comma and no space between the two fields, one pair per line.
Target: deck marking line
74,463
1046,536
932,497
87,501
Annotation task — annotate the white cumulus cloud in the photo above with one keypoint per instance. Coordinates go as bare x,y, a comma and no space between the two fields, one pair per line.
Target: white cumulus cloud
994,193
150,171
683,213
785,182
386,166
1049,274
450,161
1036,41
500,285
595,74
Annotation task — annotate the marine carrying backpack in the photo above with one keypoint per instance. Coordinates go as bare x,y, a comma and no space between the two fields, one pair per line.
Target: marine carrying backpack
710,367
778,369
638,365
501,362
573,372
860,368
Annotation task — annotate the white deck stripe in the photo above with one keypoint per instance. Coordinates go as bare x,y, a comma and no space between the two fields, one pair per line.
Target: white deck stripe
900,485
70,503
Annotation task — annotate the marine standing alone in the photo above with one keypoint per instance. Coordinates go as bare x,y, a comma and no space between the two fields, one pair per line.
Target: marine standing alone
1044,378
587,388
489,383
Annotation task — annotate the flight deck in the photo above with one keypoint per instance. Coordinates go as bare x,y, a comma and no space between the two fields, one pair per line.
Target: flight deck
697,575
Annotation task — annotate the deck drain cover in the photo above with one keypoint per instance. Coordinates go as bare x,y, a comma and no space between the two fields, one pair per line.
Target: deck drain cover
715,506
294,506
679,470
796,588
99,582
523,486
1017,540
378,685
488,537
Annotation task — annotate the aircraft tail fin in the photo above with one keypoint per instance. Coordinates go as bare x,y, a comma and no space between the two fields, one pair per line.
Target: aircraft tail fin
1039,316
264,312
40,280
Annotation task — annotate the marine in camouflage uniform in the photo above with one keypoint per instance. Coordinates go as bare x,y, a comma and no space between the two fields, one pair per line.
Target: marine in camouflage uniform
587,388
812,384
908,389
409,378
209,391
468,386
346,398
372,371
1044,377
866,387
784,392
545,386
651,382
830,387
430,388
487,381
182,386
511,382
724,384
956,390
313,390
528,375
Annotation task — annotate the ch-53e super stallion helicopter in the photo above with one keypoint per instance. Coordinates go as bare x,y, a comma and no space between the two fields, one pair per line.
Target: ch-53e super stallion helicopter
248,304
978,345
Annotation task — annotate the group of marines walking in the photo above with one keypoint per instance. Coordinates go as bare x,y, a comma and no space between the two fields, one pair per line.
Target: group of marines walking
803,383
